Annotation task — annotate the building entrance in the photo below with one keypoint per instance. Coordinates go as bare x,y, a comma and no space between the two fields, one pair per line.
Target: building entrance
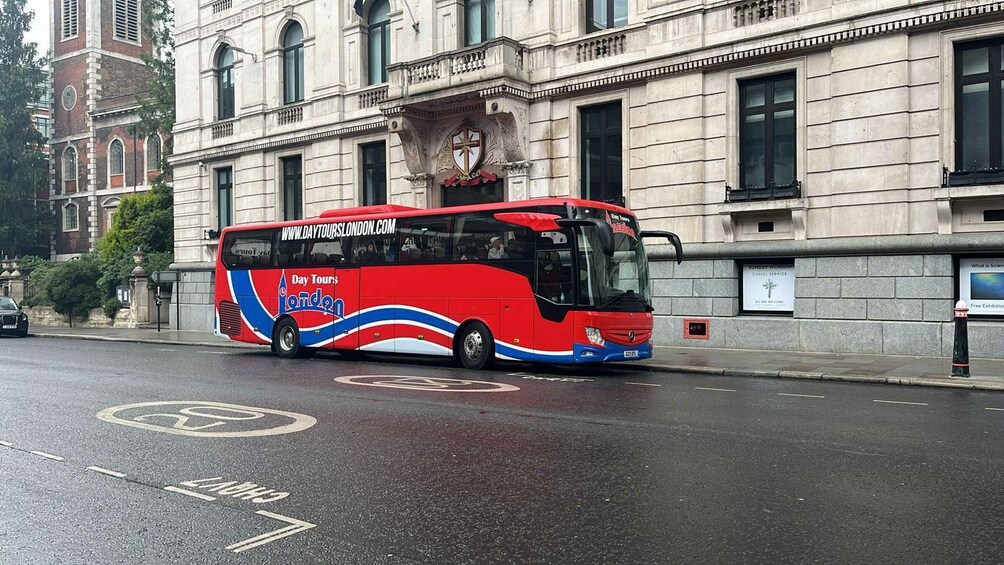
480,194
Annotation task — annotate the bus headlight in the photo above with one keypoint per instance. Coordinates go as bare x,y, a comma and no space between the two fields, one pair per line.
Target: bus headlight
594,336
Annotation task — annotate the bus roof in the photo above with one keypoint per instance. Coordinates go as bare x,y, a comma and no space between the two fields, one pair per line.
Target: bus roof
396,211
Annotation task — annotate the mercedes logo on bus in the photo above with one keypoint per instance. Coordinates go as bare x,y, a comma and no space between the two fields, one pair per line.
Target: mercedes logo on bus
631,336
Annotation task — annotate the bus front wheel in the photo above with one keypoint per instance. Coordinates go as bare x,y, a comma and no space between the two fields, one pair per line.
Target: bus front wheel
476,347
286,340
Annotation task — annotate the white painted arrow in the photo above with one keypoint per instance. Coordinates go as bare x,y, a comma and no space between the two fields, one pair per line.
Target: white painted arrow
295,527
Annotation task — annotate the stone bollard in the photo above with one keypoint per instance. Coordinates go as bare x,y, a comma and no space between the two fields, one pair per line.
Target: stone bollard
960,352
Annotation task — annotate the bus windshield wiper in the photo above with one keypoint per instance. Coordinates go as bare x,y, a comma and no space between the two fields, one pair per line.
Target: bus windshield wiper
618,298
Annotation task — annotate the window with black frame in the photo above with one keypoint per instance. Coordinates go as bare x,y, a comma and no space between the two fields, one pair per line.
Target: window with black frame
224,197
766,139
225,83
601,153
374,156
292,64
479,21
979,87
379,41
605,14
292,188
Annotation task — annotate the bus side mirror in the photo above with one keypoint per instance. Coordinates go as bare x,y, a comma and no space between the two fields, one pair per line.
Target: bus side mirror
672,237
604,230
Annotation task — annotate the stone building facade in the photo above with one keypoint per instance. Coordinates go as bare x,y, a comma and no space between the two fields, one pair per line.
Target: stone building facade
97,157
834,168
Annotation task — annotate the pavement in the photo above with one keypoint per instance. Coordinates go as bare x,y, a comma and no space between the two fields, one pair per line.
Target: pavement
986,374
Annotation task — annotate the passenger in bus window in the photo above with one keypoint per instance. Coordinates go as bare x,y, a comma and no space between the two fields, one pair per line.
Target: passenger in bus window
497,251
549,276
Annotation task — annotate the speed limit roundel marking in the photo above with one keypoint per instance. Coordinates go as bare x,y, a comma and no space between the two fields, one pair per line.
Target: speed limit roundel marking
431,384
199,418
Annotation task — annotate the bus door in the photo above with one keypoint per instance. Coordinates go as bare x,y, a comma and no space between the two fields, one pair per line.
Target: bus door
554,294
374,318
324,318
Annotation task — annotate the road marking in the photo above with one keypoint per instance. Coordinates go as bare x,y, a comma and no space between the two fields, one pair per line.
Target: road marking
295,527
6,444
169,350
427,383
217,352
901,402
108,472
189,493
800,395
641,384
715,389
194,418
996,409
47,455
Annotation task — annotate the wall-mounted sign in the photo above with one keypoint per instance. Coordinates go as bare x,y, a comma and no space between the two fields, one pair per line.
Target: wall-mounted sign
981,285
768,287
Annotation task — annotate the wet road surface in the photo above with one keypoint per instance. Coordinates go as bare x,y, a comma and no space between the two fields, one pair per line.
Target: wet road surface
126,453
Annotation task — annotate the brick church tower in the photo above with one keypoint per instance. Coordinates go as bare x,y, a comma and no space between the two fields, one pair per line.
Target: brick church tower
97,80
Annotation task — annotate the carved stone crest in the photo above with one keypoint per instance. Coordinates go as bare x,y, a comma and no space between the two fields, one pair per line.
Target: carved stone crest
468,150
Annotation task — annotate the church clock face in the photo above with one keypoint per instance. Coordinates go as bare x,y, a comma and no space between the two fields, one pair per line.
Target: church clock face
69,97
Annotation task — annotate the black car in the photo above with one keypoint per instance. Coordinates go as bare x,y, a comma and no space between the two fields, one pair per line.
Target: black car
13,320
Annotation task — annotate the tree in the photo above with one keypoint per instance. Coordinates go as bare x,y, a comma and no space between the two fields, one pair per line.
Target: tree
24,167
144,220
72,286
157,110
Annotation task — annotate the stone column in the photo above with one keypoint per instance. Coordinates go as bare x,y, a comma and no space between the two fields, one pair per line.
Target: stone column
5,276
421,185
517,180
16,284
139,288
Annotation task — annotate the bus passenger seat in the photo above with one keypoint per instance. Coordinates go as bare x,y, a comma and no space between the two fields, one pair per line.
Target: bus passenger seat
335,258
247,261
320,258
438,253
281,259
298,258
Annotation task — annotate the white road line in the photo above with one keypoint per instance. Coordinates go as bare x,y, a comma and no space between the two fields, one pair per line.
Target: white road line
217,352
108,472
996,409
296,526
715,389
47,455
800,395
901,402
169,350
6,444
641,384
190,493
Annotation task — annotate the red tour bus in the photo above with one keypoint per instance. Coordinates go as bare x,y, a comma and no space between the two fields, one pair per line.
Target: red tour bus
553,280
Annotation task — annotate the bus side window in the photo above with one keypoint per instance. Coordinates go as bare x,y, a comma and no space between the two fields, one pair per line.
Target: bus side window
248,249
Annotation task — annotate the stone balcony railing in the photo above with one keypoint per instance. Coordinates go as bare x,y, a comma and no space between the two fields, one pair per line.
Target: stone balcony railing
287,115
471,66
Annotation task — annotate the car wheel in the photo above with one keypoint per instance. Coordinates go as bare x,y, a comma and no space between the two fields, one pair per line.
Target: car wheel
476,347
286,339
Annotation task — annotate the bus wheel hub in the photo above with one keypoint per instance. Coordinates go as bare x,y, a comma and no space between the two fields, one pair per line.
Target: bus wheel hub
472,345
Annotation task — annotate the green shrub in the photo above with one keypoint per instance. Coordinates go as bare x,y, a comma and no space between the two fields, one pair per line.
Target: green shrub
111,307
73,286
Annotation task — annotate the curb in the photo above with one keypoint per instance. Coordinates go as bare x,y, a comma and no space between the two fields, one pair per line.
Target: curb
655,367
807,375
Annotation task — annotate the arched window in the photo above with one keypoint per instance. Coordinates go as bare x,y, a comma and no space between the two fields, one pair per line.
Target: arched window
225,83
292,64
116,163
69,169
70,217
479,21
153,153
379,41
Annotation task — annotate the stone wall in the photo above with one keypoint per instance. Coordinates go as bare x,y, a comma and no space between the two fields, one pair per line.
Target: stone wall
897,305
46,316
195,291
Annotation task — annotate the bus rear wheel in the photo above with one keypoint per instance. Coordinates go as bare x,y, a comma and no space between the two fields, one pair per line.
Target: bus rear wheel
476,346
286,340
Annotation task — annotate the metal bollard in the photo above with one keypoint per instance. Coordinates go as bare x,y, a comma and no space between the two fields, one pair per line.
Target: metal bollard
960,353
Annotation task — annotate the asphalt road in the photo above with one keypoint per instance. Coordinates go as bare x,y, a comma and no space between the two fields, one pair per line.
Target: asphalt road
247,458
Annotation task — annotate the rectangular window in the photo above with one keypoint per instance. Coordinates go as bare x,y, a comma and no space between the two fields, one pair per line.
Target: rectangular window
979,87
605,14
292,188
70,10
374,173
248,249
767,132
127,20
44,126
479,21
224,197
602,177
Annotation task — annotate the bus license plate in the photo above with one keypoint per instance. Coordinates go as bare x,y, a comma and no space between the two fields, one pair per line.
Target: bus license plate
10,326
631,354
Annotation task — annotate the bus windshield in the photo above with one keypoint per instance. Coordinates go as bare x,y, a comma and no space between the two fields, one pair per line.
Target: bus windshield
618,283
